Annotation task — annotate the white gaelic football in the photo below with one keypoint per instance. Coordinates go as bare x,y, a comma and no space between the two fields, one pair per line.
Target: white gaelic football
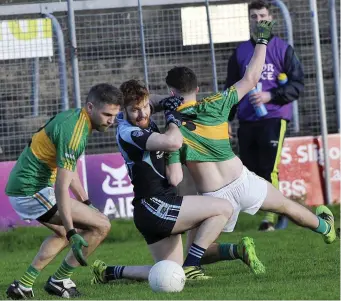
167,276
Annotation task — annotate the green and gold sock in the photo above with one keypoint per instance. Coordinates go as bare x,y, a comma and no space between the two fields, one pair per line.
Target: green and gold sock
323,226
29,277
228,252
270,217
65,271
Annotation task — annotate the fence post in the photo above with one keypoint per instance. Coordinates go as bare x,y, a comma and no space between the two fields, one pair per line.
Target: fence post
336,62
321,99
74,58
290,37
214,68
62,61
35,86
143,45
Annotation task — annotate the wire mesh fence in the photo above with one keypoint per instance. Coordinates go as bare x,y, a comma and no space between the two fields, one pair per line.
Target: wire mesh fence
109,50
29,80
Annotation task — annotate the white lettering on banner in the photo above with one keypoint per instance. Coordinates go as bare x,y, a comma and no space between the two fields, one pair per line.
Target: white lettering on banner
114,183
333,154
309,153
124,210
286,155
334,174
110,209
295,188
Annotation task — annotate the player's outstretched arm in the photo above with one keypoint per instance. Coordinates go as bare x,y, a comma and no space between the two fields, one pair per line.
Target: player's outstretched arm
255,67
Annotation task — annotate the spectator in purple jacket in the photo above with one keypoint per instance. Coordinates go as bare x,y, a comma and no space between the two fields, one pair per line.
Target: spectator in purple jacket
261,138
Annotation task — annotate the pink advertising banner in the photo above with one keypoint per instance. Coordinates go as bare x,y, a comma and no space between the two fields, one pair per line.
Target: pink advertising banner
109,185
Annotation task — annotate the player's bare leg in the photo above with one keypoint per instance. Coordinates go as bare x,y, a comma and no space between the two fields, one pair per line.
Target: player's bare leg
95,226
169,248
322,222
51,246
210,218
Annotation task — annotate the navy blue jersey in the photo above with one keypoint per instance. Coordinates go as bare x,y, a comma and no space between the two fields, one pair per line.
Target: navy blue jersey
146,168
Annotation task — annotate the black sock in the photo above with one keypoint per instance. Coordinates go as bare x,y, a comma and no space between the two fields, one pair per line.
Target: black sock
114,272
194,255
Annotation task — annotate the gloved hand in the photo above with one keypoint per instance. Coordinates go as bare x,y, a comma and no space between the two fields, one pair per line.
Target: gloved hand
171,103
173,117
77,242
264,31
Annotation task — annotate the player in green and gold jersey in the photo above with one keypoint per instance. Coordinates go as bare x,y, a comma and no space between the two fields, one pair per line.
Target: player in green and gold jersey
38,189
214,167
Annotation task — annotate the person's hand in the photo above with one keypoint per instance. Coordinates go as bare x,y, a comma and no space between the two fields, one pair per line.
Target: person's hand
171,103
260,97
173,117
264,31
77,242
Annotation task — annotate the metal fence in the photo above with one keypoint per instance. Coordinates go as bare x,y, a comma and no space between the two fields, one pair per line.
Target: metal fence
109,50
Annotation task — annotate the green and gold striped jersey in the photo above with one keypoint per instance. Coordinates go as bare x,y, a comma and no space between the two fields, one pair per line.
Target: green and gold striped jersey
59,143
205,129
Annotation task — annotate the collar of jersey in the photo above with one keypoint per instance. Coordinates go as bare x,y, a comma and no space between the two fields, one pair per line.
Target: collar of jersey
186,105
87,119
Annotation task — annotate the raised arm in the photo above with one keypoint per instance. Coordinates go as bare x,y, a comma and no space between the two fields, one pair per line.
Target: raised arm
255,67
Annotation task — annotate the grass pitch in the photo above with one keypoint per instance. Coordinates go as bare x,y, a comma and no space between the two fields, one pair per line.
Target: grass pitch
300,266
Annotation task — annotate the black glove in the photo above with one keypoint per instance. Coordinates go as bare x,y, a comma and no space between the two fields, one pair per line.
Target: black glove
173,117
171,103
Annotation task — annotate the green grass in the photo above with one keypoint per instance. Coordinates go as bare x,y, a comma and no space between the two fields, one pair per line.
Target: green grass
299,265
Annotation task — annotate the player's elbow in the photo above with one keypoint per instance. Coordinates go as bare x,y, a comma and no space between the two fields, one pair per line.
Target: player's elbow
251,80
175,143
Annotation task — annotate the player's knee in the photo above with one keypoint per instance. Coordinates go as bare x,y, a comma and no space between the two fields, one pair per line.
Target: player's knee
104,225
227,210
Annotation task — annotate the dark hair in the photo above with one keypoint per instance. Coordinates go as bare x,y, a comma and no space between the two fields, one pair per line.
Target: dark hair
259,4
134,91
182,79
105,94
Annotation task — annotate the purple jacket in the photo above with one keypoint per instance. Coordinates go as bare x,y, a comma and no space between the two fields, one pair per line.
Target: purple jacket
280,58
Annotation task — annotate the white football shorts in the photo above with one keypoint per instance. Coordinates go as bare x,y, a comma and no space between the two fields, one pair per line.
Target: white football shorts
246,194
